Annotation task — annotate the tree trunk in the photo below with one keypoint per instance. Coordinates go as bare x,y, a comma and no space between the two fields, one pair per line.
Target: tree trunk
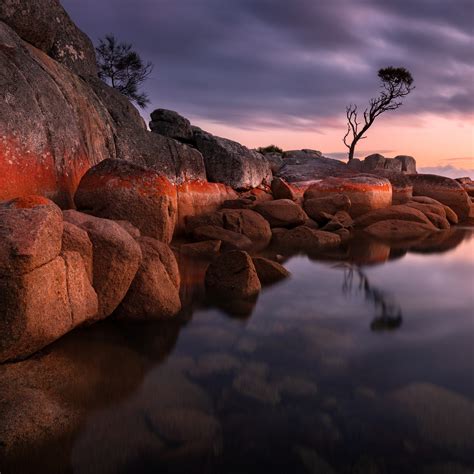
352,149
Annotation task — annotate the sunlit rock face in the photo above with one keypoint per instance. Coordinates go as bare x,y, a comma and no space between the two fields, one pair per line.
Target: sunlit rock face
154,292
197,198
53,127
231,163
365,192
56,125
45,291
117,189
445,190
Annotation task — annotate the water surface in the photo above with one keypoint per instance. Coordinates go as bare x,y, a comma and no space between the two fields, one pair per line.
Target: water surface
362,362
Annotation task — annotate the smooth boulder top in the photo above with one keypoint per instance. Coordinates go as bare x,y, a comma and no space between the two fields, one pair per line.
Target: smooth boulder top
445,190
116,189
171,124
366,192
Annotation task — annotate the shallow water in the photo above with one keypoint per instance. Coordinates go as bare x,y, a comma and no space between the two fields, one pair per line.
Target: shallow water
361,362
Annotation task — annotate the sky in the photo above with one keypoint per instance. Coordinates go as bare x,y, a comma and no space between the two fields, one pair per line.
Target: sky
283,71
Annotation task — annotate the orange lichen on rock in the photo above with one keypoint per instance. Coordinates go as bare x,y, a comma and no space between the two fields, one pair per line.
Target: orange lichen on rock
365,192
117,189
200,197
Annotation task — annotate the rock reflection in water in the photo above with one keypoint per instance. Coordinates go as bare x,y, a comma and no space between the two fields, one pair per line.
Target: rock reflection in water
301,387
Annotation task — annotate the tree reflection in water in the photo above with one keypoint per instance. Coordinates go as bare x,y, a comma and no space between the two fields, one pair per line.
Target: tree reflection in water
388,312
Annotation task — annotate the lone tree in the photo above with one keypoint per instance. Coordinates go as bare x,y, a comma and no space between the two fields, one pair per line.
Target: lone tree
397,82
123,68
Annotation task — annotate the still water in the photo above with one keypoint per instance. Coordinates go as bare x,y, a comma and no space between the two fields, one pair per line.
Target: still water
360,363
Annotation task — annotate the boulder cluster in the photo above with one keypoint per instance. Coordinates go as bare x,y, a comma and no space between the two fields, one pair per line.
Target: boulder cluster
111,256
94,207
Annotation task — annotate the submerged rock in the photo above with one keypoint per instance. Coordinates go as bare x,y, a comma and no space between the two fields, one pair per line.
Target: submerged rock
206,249
269,271
444,417
230,240
233,275
305,239
396,229
154,292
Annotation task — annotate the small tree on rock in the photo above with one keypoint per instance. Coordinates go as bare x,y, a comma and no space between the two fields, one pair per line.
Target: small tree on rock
122,68
396,84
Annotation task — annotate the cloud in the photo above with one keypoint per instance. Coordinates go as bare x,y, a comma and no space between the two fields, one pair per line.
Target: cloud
449,171
251,63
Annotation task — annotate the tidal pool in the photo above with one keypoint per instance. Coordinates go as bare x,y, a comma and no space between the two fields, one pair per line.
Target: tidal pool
361,363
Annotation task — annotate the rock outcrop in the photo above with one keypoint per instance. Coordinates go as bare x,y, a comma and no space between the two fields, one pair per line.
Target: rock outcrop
53,127
46,25
68,123
378,162
133,142
170,124
231,163
306,166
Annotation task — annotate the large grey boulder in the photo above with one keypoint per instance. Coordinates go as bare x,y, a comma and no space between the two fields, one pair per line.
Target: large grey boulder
170,124
133,142
408,163
231,163
309,166
52,128
379,162
46,25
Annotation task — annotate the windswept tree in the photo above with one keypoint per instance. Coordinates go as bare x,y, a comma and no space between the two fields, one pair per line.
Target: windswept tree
396,83
122,68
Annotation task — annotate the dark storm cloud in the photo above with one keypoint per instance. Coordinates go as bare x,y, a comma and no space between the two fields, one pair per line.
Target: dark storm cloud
274,62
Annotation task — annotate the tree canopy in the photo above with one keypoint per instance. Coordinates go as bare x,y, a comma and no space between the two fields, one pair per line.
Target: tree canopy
396,83
122,68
